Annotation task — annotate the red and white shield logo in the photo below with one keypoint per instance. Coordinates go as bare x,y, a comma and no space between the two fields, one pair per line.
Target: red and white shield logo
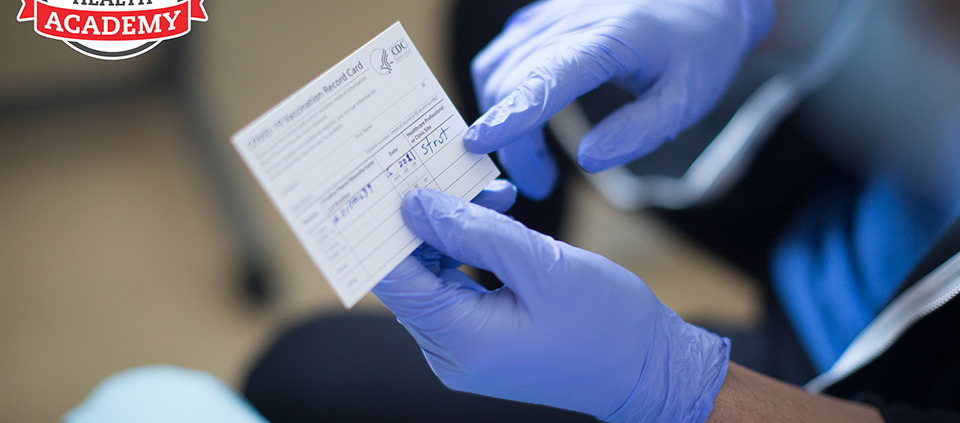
112,29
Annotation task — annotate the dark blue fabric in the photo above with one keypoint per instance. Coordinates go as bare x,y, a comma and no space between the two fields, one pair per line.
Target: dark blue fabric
842,260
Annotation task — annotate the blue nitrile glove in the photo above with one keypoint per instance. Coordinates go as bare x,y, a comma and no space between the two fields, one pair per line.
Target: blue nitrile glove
677,56
499,195
569,328
163,394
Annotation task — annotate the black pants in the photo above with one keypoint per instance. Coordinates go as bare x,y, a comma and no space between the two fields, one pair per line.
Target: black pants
367,368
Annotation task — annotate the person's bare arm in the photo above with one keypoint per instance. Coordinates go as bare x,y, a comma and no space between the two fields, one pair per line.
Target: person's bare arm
747,396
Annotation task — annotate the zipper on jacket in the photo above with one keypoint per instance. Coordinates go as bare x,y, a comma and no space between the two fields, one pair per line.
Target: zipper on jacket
923,298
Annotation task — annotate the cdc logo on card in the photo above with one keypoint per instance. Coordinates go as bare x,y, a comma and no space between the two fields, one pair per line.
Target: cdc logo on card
384,59
112,29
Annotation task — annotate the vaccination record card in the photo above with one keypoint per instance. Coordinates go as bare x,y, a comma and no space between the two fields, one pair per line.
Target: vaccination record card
337,157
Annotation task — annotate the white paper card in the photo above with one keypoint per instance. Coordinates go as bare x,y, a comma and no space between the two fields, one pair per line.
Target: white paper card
338,156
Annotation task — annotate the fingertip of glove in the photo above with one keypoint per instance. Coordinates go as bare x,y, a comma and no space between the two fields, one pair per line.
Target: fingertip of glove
593,160
475,139
592,164
597,155
499,195
534,182
534,172
502,187
471,139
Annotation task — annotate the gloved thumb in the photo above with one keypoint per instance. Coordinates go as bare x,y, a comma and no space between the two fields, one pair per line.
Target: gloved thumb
412,289
479,237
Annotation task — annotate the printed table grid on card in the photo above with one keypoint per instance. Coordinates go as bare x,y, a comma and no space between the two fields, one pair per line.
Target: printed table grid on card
337,157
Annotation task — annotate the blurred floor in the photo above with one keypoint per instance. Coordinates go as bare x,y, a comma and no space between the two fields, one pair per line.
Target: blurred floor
113,249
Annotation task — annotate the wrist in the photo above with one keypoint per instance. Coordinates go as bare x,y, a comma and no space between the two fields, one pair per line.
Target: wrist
759,16
747,396
686,377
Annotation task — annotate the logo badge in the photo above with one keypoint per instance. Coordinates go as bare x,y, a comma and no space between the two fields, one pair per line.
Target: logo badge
381,62
385,59
112,29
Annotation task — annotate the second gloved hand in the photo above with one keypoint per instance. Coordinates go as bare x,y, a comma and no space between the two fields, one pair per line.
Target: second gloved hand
677,56
569,328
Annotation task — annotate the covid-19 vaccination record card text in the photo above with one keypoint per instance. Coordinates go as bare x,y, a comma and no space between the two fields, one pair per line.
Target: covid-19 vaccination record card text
337,157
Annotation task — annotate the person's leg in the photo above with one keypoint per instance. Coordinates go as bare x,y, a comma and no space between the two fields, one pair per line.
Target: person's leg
367,368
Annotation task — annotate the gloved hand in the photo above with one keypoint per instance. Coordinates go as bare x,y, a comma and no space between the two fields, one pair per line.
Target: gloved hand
163,394
569,328
677,56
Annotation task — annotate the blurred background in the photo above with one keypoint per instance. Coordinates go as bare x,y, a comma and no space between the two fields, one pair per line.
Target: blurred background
131,233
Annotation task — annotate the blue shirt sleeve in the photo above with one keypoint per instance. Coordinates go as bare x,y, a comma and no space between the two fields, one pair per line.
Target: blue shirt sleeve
843,259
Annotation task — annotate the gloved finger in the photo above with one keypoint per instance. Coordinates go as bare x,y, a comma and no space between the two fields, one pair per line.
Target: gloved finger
548,88
524,30
411,290
430,257
499,195
621,31
481,238
607,37
637,128
530,166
